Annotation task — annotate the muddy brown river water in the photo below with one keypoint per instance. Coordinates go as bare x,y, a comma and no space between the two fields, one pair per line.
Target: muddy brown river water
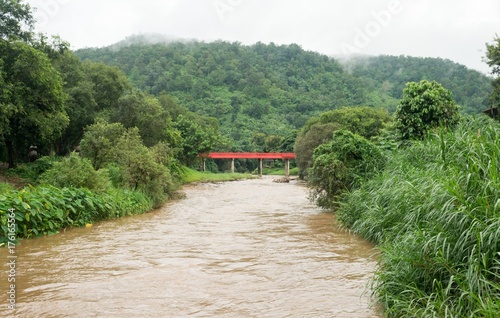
250,248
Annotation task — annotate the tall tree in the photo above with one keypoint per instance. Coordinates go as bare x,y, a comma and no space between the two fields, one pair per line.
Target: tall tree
32,101
424,106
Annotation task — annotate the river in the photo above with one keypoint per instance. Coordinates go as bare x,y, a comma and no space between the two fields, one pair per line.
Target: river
250,248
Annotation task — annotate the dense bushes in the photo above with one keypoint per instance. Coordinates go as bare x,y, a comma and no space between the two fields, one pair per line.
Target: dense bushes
342,165
77,172
435,212
131,164
46,209
365,121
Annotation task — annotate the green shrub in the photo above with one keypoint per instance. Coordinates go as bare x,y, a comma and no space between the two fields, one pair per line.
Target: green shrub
342,165
367,122
115,173
74,171
99,140
140,169
33,171
6,187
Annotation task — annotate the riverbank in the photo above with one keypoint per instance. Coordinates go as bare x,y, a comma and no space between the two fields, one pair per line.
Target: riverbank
194,176
41,209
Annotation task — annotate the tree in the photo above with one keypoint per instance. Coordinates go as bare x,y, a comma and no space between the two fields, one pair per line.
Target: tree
99,141
144,112
109,84
197,138
31,101
140,168
424,106
14,17
75,171
493,60
80,105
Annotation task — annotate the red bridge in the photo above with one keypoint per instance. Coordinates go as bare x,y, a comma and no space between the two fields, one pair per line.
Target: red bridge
252,155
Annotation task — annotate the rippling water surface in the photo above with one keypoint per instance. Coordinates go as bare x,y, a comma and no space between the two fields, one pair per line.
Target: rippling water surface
240,249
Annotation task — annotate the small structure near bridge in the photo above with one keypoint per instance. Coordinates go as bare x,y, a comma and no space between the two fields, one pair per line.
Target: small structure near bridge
286,156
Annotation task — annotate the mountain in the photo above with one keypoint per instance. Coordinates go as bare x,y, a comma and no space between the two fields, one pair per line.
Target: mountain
274,89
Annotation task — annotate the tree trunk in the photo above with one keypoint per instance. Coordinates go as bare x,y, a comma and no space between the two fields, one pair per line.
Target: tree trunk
10,153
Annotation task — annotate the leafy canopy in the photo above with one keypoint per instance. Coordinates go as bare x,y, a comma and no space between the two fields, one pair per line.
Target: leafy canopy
424,106
31,98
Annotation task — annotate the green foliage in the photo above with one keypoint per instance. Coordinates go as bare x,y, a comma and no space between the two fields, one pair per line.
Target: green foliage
367,122
77,172
190,175
32,101
280,171
99,140
33,171
306,142
435,212
258,89
109,84
144,112
342,165
46,209
424,106
130,163
16,16
493,55
140,169
197,137
4,187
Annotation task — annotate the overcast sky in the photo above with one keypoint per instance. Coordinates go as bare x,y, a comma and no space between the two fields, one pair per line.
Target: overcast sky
452,29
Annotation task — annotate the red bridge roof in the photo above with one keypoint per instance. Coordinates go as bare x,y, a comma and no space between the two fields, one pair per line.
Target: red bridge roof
250,155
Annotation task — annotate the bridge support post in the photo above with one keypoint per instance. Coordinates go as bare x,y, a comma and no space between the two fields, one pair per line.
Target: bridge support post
232,165
260,167
287,168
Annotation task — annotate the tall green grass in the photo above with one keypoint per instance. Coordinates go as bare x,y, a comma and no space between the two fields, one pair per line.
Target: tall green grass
435,213
280,171
190,175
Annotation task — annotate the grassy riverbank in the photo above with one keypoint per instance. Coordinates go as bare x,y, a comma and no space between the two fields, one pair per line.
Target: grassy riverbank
191,176
435,213
279,171
42,209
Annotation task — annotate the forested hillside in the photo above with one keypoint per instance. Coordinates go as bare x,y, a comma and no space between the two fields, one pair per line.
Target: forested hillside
273,90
